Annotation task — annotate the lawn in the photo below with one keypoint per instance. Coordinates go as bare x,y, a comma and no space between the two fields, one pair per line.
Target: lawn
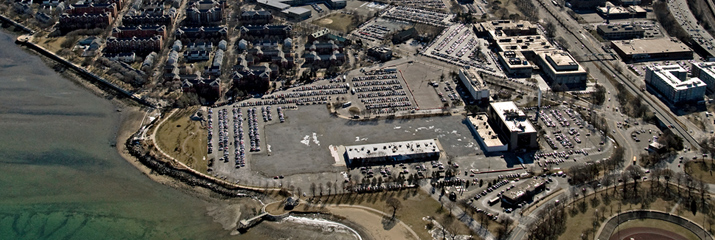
184,139
661,225
702,170
340,22
416,204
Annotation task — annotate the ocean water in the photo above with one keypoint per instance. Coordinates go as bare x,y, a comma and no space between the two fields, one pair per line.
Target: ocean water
60,178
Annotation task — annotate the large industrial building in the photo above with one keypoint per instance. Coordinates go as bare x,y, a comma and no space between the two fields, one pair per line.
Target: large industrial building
523,191
475,86
652,49
513,124
486,135
620,31
561,69
391,153
705,71
670,81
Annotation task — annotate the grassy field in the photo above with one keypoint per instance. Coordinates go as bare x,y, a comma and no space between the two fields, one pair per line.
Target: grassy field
416,204
184,139
340,22
661,225
703,170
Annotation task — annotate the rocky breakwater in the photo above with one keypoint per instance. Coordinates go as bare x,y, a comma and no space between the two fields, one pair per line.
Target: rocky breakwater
140,151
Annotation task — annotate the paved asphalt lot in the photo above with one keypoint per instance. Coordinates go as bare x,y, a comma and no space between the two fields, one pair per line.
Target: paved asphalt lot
300,145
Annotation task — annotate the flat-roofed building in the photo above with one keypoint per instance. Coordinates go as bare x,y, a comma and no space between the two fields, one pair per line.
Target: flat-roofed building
523,191
620,31
476,87
672,82
586,4
705,71
652,49
561,69
611,11
297,13
515,64
513,124
275,5
505,27
391,153
486,136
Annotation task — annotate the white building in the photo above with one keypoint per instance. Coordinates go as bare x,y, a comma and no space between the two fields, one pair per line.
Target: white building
477,88
486,134
670,80
562,69
513,124
391,153
705,71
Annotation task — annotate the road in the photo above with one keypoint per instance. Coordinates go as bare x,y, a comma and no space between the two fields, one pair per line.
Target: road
570,31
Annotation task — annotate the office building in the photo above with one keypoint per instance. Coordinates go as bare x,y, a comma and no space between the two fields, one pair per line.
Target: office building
705,71
561,69
513,125
620,31
474,84
671,81
486,135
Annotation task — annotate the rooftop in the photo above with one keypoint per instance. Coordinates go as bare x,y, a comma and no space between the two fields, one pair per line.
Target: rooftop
646,46
512,117
485,131
474,78
666,74
524,187
611,28
392,149
515,59
296,10
561,62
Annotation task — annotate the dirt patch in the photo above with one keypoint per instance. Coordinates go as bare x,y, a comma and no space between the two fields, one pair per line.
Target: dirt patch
325,21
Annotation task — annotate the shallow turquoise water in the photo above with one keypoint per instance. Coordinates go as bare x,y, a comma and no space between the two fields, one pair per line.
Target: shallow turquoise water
59,175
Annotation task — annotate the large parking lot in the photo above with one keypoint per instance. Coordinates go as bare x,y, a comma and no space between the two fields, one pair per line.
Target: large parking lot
418,16
568,138
303,143
375,31
458,45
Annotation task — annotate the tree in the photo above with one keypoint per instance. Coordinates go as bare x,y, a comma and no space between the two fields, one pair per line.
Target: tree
312,188
636,173
395,204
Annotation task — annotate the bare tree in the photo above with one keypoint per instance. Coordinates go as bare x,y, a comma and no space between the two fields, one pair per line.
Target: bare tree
395,204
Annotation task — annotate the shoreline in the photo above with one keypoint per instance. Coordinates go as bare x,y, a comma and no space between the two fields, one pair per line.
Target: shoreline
130,115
